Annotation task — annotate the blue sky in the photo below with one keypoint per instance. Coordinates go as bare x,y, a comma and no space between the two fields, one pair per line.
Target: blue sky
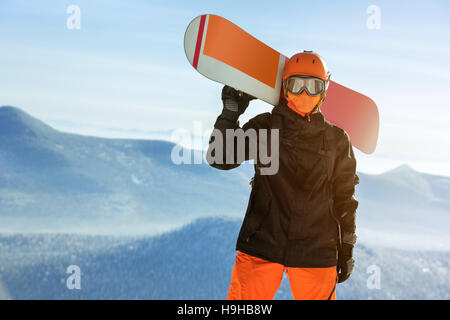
125,74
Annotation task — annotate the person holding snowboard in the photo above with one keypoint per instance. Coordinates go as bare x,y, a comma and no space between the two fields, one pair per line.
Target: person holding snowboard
302,218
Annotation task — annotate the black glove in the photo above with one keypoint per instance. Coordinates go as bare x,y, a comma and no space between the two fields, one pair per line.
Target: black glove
235,103
346,262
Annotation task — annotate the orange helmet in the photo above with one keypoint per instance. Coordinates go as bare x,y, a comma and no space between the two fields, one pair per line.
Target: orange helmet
306,63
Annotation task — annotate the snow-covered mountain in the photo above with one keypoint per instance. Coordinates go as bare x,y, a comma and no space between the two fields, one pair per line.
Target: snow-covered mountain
404,208
193,262
98,203
59,182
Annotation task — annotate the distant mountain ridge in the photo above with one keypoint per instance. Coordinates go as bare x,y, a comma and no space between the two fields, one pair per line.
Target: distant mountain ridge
15,122
98,203
193,262
60,182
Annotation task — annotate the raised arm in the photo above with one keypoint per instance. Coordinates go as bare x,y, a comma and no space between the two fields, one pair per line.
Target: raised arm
229,144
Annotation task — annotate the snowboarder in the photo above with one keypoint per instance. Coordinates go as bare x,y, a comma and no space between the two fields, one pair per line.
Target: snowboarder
302,219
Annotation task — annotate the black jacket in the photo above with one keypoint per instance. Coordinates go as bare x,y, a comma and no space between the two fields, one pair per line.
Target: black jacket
297,216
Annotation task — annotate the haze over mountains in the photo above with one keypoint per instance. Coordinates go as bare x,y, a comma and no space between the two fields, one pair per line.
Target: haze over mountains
100,204
59,182
194,262
55,181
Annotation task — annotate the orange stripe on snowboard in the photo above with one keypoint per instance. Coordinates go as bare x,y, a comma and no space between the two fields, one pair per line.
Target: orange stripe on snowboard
262,66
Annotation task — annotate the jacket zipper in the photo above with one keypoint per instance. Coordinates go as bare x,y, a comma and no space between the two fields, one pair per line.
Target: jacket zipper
337,222
331,207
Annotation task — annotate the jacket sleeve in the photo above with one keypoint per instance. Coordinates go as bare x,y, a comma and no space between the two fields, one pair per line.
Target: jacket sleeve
224,151
344,181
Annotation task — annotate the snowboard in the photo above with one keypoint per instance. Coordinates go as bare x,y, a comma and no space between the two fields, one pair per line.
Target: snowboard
223,52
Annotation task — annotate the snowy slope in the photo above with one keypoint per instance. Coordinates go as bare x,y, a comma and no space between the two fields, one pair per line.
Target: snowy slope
58,182
91,194
404,208
54,181
194,262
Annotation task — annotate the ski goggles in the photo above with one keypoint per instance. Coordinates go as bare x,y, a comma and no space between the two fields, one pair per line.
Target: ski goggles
313,86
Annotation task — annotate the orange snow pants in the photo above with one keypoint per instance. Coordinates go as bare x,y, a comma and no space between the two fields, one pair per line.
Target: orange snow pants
258,279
